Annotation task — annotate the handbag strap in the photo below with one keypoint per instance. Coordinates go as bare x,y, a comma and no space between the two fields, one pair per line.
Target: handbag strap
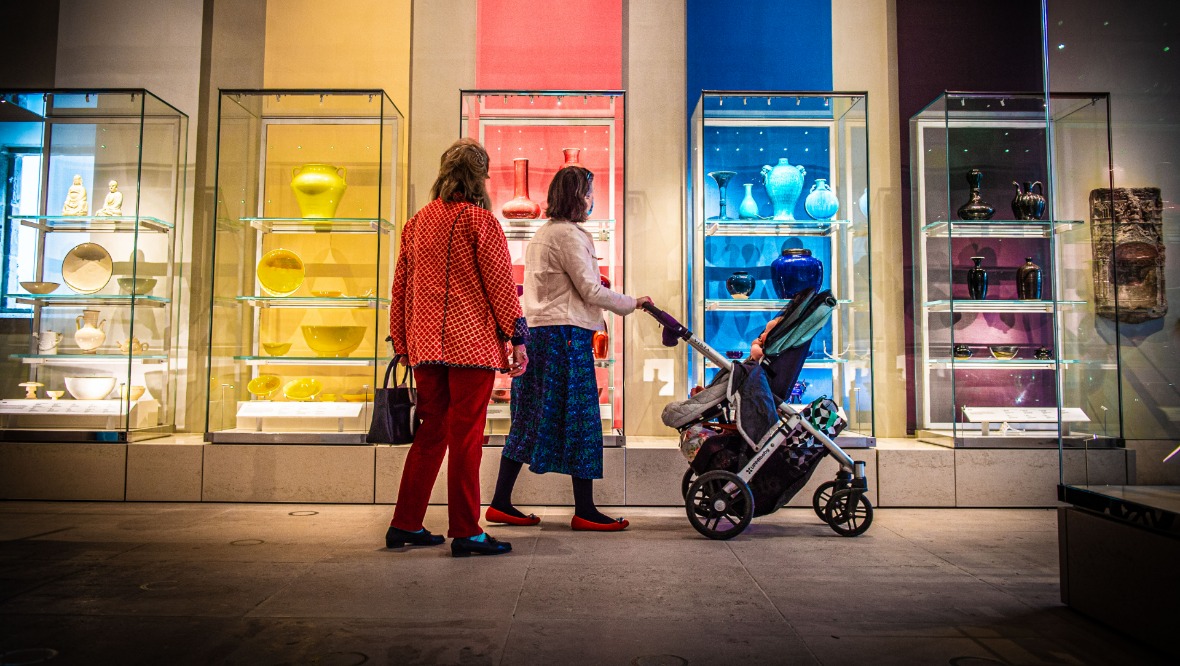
393,364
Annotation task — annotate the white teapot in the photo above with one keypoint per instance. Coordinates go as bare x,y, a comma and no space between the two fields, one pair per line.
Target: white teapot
133,345
47,342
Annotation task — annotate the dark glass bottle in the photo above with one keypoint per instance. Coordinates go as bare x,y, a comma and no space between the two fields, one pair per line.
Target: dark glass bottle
975,209
1028,281
977,280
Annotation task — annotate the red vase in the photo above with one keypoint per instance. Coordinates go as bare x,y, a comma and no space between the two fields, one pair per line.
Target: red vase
601,343
521,207
571,156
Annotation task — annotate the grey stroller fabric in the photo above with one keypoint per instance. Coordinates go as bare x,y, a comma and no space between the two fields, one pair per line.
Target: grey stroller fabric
802,319
748,392
679,414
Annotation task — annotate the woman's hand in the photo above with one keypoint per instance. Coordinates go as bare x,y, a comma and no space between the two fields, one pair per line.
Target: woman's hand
641,301
519,362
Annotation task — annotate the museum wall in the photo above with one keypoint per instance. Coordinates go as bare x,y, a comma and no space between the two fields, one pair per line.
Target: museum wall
31,51
1129,50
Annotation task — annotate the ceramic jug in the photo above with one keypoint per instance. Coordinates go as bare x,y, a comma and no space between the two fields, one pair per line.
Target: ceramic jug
318,189
821,202
47,342
133,345
748,210
1028,205
91,332
784,182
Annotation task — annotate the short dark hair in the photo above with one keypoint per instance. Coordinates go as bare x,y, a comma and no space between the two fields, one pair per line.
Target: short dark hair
461,174
567,193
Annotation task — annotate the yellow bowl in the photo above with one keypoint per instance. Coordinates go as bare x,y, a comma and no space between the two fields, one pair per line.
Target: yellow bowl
276,348
335,341
357,397
280,272
302,389
327,293
264,384
40,287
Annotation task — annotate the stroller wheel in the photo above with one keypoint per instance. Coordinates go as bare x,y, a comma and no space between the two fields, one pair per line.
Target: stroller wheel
823,494
849,513
685,483
719,504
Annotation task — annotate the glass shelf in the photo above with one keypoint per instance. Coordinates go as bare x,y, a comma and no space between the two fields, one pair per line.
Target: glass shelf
751,304
93,224
809,363
347,302
985,305
998,228
319,225
1002,364
89,300
526,229
311,360
87,359
716,227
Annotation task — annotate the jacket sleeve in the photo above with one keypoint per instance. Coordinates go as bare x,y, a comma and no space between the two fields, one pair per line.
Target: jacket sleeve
398,305
495,271
578,261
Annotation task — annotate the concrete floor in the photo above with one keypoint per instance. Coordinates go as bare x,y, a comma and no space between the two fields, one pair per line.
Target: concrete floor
287,584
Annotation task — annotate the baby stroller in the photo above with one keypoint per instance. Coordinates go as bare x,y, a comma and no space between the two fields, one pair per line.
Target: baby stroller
749,450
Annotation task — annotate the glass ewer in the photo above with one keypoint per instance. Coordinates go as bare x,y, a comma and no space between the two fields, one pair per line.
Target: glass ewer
1028,281
784,183
821,202
975,208
977,280
748,210
571,157
722,178
521,207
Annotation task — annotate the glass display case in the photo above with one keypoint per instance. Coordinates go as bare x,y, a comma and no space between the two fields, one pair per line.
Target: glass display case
778,202
307,188
1008,331
92,185
529,135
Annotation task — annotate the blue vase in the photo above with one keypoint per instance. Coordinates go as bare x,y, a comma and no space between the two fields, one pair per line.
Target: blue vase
748,210
794,271
821,202
784,182
740,285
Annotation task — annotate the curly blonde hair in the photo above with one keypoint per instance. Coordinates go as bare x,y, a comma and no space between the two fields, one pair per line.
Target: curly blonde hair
462,171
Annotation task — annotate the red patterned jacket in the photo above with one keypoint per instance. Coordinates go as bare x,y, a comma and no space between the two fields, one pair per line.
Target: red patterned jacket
454,301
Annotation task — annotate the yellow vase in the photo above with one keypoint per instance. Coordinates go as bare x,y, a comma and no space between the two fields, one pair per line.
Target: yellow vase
318,189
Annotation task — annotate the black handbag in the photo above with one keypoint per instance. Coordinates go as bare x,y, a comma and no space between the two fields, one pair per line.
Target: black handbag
395,410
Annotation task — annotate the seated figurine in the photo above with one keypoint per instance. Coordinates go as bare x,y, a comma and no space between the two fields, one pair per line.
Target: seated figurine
113,205
76,199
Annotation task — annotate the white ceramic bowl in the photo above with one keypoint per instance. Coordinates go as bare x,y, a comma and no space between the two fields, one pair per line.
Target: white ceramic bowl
40,287
90,388
138,286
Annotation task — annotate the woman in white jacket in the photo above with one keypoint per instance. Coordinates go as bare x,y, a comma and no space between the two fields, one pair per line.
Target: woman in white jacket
556,423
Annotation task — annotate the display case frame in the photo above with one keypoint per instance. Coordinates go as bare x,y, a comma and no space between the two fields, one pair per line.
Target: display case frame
547,124
1064,381
315,173
102,343
770,125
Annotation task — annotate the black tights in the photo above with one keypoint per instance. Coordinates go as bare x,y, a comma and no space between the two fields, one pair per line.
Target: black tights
584,507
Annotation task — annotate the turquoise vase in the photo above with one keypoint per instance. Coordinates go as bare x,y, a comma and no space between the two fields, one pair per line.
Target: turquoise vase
821,202
748,210
784,183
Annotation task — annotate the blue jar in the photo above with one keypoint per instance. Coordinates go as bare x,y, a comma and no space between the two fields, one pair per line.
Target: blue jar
740,285
794,271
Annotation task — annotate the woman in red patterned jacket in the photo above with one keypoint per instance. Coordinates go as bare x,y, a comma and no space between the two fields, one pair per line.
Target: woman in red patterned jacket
455,312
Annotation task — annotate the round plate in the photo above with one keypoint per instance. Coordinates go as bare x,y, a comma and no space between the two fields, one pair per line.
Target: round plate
264,384
87,268
280,272
302,389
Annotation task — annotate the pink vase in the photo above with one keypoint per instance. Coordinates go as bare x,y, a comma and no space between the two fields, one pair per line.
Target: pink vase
521,207
571,156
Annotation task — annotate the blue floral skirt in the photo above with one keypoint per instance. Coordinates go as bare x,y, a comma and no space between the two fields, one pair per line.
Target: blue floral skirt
556,422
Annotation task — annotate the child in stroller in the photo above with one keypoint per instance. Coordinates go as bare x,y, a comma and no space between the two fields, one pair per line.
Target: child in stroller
750,451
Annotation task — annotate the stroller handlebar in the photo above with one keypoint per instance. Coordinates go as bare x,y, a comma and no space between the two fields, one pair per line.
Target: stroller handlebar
673,331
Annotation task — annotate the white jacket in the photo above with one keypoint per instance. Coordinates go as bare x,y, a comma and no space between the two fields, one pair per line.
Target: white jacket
561,280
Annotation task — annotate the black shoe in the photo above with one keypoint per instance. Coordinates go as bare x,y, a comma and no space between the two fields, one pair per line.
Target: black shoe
395,538
463,547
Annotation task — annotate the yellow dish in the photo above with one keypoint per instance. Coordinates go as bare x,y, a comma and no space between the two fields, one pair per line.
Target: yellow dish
327,293
264,385
356,397
276,348
302,389
333,341
328,397
280,272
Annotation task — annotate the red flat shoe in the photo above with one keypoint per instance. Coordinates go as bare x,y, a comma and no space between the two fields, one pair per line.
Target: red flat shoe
493,515
581,524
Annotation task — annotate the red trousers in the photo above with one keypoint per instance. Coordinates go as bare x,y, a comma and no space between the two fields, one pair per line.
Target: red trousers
453,406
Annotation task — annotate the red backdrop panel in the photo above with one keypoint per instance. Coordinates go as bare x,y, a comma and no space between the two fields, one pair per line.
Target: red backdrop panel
550,45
